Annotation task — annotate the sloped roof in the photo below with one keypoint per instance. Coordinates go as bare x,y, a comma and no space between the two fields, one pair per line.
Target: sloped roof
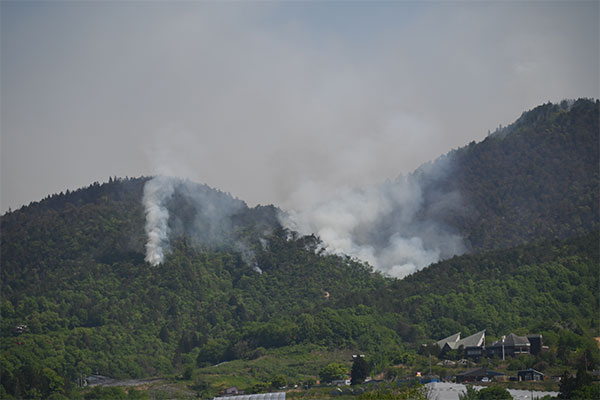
479,372
475,340
450,339
513,340
530,370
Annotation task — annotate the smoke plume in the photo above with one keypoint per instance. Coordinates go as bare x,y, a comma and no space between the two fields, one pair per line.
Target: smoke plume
396,226
177,208
156,192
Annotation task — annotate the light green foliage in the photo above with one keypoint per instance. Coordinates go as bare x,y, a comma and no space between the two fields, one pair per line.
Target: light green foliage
333,371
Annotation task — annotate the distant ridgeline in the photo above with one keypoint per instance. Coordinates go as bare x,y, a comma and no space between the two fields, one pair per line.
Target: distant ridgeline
77,296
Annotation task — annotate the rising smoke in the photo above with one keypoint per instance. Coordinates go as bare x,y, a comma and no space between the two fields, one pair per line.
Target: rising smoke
178,208
156,193
395,226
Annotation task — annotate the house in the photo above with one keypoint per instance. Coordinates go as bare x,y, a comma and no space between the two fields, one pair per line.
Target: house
511,345
476,375
473,345
530,375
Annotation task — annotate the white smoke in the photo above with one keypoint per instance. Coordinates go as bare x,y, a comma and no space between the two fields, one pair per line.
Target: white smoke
177,208
394,226
156,192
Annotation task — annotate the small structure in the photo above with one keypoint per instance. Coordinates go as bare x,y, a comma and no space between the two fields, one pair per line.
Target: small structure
530,375
476,375
233,390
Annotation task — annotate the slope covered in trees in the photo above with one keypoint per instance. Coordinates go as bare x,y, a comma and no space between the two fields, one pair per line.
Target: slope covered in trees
537,178
78,298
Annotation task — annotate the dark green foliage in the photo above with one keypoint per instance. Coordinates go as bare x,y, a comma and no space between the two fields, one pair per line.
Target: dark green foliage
470,394
537,178
494,393
278,381
578,387
360,370
553,284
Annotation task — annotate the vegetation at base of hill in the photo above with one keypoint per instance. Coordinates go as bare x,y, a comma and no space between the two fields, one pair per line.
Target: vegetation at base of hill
545,286
198,320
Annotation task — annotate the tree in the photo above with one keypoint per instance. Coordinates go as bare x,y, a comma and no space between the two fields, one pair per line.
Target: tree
360,370
278,382
470,394
333,372
576,387
494,393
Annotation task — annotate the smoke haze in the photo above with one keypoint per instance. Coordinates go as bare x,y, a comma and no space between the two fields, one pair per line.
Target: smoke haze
303,104
395,226
178,208
283,103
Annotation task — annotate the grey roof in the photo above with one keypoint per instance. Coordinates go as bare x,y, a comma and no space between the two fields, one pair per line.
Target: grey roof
530,370
513,340
482,371
450,339
475,340
260,396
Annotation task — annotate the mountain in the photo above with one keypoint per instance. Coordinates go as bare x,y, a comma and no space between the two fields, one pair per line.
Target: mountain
537,178
81,295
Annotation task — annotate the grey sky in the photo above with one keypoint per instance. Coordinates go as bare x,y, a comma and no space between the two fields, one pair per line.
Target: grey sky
275,103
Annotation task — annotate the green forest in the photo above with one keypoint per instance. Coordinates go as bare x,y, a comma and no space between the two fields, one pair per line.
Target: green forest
78,298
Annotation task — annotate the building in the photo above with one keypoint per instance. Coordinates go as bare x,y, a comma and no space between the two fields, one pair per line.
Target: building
530,375
511,345
450,340
473,345
537,344
232,391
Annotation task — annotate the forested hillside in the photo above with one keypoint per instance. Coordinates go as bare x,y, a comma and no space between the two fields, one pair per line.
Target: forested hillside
537,178
78,296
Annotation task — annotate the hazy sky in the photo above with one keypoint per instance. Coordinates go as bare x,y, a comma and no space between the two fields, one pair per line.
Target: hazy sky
278,103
